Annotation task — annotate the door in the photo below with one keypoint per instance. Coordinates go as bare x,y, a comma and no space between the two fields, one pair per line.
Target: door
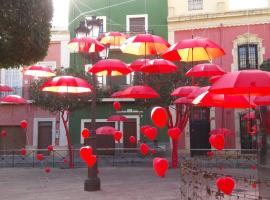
103,141
129,129
199,131
14,139
44,136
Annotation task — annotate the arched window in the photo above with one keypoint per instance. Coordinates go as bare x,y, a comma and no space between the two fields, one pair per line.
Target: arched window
247,56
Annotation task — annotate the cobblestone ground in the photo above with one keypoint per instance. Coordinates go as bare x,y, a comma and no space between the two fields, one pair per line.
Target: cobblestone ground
120,183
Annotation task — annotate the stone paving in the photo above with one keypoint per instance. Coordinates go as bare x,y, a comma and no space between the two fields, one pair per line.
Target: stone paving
118,183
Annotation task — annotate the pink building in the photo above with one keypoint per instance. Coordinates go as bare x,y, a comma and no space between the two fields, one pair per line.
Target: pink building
44,128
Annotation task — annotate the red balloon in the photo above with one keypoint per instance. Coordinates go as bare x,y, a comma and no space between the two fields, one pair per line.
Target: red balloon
151,133
40,156
225,184
117,136
144,149
23,151
65,161
24,124
217,141
210,153
159,116
116,105
3,133
91,161
132,140
47,169
254,186
161,166
174,133
86,152
50,148
144,128
153,151
85,133
253,167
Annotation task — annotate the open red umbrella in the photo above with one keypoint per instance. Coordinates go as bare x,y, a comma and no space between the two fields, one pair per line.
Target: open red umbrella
105,130
245,82
197,49
205,70
5,88
39,71
138,92
183,91
110,67
195,93
113,38
250,115
183,100
117,118
159,66
262,100
137,64
66,84
213,79
13,99
145,44
85,45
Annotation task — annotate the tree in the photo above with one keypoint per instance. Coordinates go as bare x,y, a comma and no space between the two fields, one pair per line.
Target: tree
24,31
62,103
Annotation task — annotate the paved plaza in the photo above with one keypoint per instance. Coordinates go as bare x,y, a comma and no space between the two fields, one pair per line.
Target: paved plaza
118,183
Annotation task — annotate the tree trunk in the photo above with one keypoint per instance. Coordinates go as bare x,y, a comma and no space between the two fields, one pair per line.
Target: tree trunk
175,162
65,121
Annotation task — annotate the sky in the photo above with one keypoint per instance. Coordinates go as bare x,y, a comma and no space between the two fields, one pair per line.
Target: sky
60,18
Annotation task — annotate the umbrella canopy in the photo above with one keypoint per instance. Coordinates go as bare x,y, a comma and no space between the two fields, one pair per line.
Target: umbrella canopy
138,92
262,100
197,49
66,84
183,91
225,131
145,44
105,130
159,66
117,94
250,115
5,88
137,64
213,79
110,67
197,92
16,99
85,45
205,70
223,100
113,38
183,100
117,118
245,82
39,71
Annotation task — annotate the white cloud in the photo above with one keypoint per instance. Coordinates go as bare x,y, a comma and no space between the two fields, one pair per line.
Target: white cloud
60,16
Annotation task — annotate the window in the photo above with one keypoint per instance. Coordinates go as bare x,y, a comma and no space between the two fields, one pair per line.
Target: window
195,4
96,31
137,23
13,78
247,56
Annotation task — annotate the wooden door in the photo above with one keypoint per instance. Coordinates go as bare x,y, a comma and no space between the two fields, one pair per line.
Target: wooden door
15,139
129,129
44,136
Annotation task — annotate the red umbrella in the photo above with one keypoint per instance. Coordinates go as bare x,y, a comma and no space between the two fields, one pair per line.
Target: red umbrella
159,66
197,49
85,45
138,92
195,93
117,118
183,91
16,99
183,100
113,38
245,82
105,130
262,100
5,88
250,115
110,67
205,70
66,84
39,71
137,64
145,44
117,94
213,79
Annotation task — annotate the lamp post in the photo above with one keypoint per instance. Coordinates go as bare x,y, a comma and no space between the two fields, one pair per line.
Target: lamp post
92,183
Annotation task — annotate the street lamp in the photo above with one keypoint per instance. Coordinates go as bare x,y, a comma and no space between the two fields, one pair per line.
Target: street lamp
92,183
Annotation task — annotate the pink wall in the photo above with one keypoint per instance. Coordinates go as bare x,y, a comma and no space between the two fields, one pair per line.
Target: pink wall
224,36
54,53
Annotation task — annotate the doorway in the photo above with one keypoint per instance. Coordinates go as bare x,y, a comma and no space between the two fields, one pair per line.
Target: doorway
129,129
44,136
